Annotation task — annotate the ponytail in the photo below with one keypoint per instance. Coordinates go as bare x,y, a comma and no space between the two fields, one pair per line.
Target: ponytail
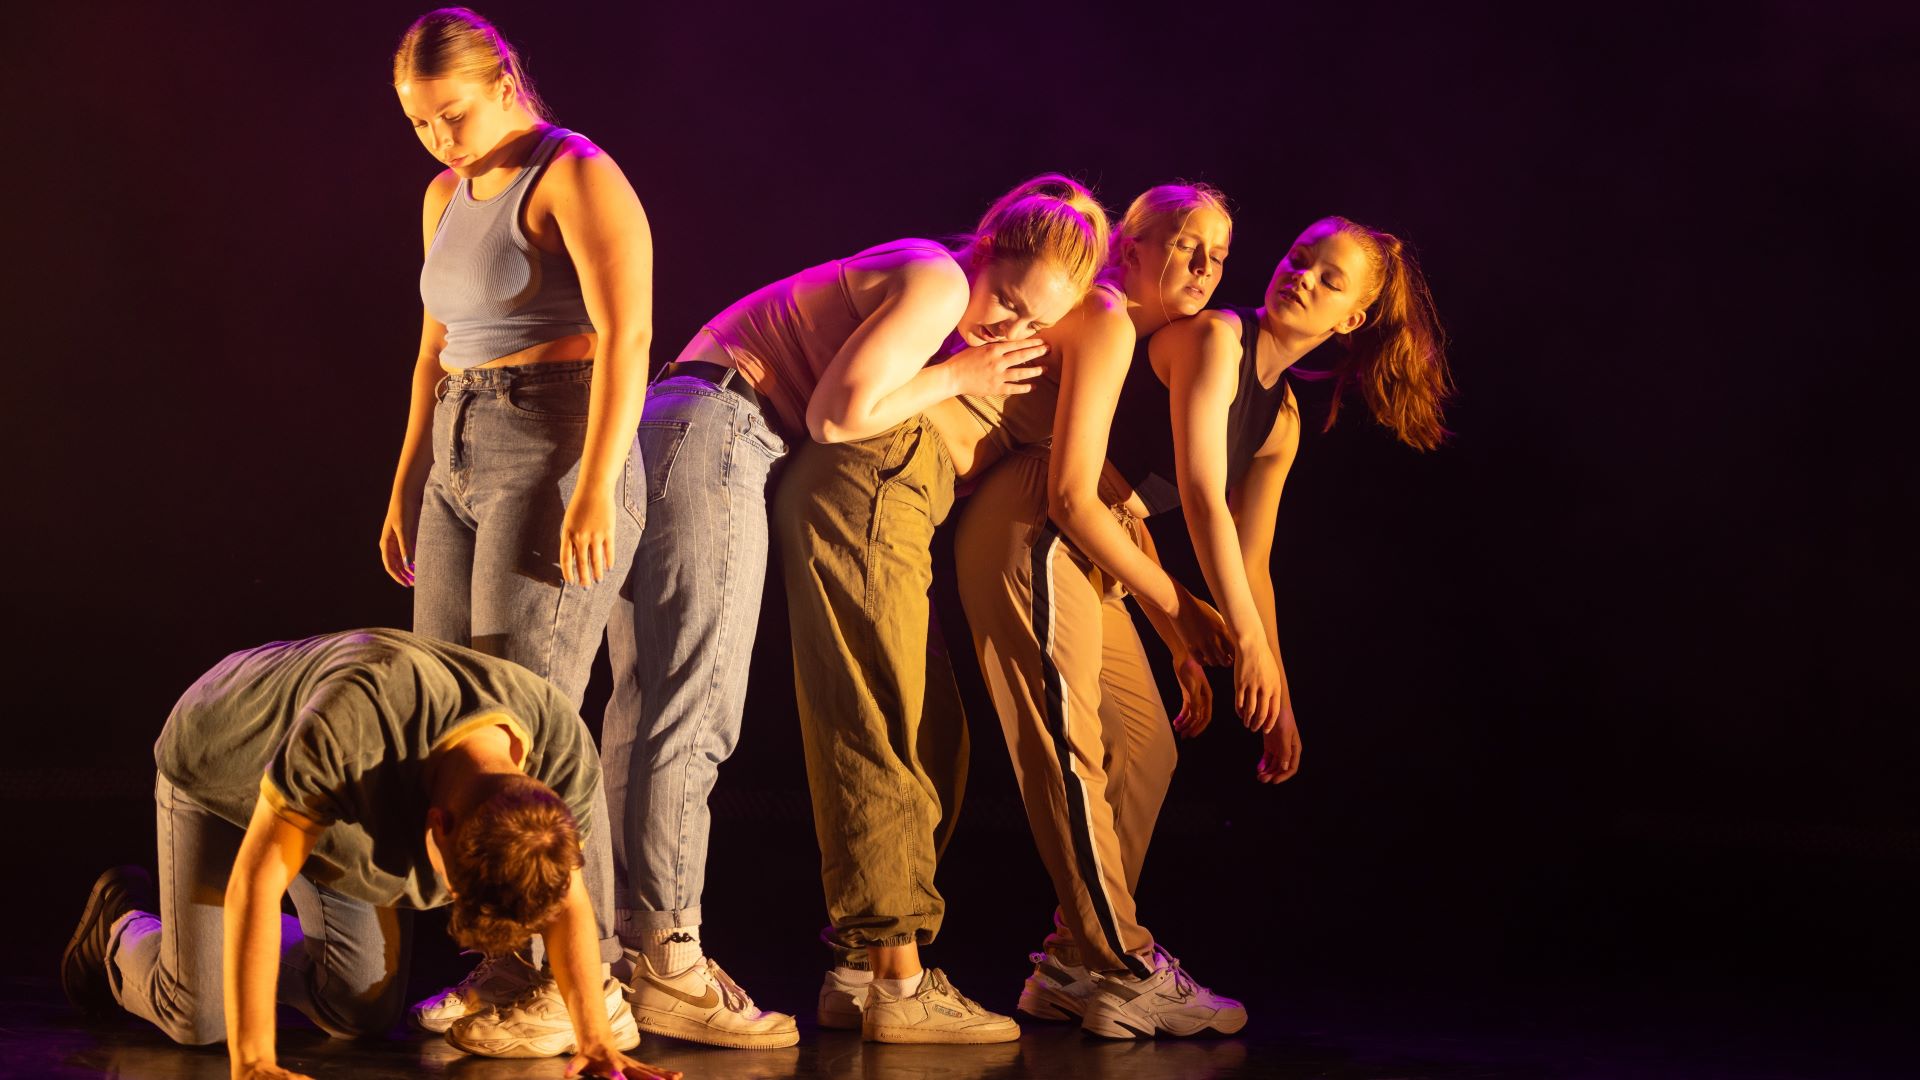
1397,358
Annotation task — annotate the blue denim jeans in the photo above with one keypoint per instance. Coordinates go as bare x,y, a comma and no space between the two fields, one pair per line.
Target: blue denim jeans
506,454
343,961
679,641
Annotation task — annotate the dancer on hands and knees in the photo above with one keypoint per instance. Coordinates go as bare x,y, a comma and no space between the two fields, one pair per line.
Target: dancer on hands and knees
518,500
368,775
911,393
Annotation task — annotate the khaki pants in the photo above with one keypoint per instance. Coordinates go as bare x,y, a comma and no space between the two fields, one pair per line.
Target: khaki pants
1092,747
880,715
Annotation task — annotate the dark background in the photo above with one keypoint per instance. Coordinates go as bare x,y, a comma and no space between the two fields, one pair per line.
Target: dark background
1616,690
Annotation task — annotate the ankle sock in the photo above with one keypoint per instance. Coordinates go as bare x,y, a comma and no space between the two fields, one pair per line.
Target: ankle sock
672,950
902,988
853,976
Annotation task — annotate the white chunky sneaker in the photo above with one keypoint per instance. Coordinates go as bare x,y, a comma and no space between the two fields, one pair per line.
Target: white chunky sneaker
841,1002
1169,1001
1056,990
937,1013
495,980
703,1005
537,1025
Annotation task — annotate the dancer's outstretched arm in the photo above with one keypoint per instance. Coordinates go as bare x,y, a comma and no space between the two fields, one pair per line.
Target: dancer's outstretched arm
573,950
271,853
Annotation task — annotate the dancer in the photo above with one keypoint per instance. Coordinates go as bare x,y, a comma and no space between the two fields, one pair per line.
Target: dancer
517,502
835,351
368,774
880,717
1048,549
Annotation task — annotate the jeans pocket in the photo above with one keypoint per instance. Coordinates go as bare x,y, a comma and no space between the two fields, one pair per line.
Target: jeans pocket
659,447
633,481
561,402
759,435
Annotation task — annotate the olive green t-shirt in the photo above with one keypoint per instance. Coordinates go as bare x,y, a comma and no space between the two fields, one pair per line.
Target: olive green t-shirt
336,729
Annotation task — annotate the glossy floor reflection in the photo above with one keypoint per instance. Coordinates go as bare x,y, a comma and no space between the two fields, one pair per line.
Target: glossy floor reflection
1336,1036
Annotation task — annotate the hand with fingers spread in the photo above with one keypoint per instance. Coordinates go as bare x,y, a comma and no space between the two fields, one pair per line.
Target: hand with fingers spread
608,1062
1196,697
397,535
265,1070
586,536
1259,686
1202,630
996,368
1280,748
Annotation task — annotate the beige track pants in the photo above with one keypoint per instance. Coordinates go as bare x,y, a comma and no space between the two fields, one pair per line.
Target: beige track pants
1091,743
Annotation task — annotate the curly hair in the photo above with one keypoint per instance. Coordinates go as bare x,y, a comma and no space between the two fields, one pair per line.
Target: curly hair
510,863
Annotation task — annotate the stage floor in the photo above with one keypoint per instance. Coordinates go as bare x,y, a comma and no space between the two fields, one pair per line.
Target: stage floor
1341,1036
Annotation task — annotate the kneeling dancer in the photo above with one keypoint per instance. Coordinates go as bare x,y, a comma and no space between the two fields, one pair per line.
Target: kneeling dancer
368,774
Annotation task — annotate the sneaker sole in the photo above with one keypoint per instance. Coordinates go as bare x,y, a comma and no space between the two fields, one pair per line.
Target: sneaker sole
916,1034
1110,1026
626,1036
688,1029
430,1025
1044,1006
79,989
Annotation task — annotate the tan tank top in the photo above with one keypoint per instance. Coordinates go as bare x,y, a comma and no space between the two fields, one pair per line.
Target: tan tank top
1010,421
782,336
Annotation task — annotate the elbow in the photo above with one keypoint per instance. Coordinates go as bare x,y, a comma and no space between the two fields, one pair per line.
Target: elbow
827,431
829,425
1066,505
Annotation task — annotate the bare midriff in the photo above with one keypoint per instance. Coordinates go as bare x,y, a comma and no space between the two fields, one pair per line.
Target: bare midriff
571,347
969,443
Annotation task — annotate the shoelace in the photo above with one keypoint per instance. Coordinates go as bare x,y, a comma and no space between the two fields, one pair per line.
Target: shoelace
736,998
939,980
1181,980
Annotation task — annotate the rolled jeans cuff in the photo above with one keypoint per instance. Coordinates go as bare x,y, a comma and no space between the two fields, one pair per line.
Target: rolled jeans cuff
632,926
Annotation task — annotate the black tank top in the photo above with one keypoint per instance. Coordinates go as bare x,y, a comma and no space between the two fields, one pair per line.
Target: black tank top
1141,442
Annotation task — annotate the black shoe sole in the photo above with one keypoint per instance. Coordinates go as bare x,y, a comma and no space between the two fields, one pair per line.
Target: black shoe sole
83,977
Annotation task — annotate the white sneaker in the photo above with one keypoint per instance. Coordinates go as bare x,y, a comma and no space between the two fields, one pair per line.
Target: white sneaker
1123,1007
936,1013
1056,990
841,1002
495,980
703,1005
537,1025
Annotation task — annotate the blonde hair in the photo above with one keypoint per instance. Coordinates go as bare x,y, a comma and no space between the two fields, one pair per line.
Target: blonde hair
1155,206
1051,218
459,43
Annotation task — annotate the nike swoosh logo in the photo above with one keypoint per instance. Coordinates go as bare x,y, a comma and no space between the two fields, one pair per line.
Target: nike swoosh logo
705,1001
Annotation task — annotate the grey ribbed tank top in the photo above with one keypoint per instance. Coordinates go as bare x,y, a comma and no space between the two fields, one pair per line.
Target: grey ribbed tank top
494,291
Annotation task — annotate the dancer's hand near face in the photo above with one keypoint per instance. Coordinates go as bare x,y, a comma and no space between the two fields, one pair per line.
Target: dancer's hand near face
996,368
1280,748
1196,697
